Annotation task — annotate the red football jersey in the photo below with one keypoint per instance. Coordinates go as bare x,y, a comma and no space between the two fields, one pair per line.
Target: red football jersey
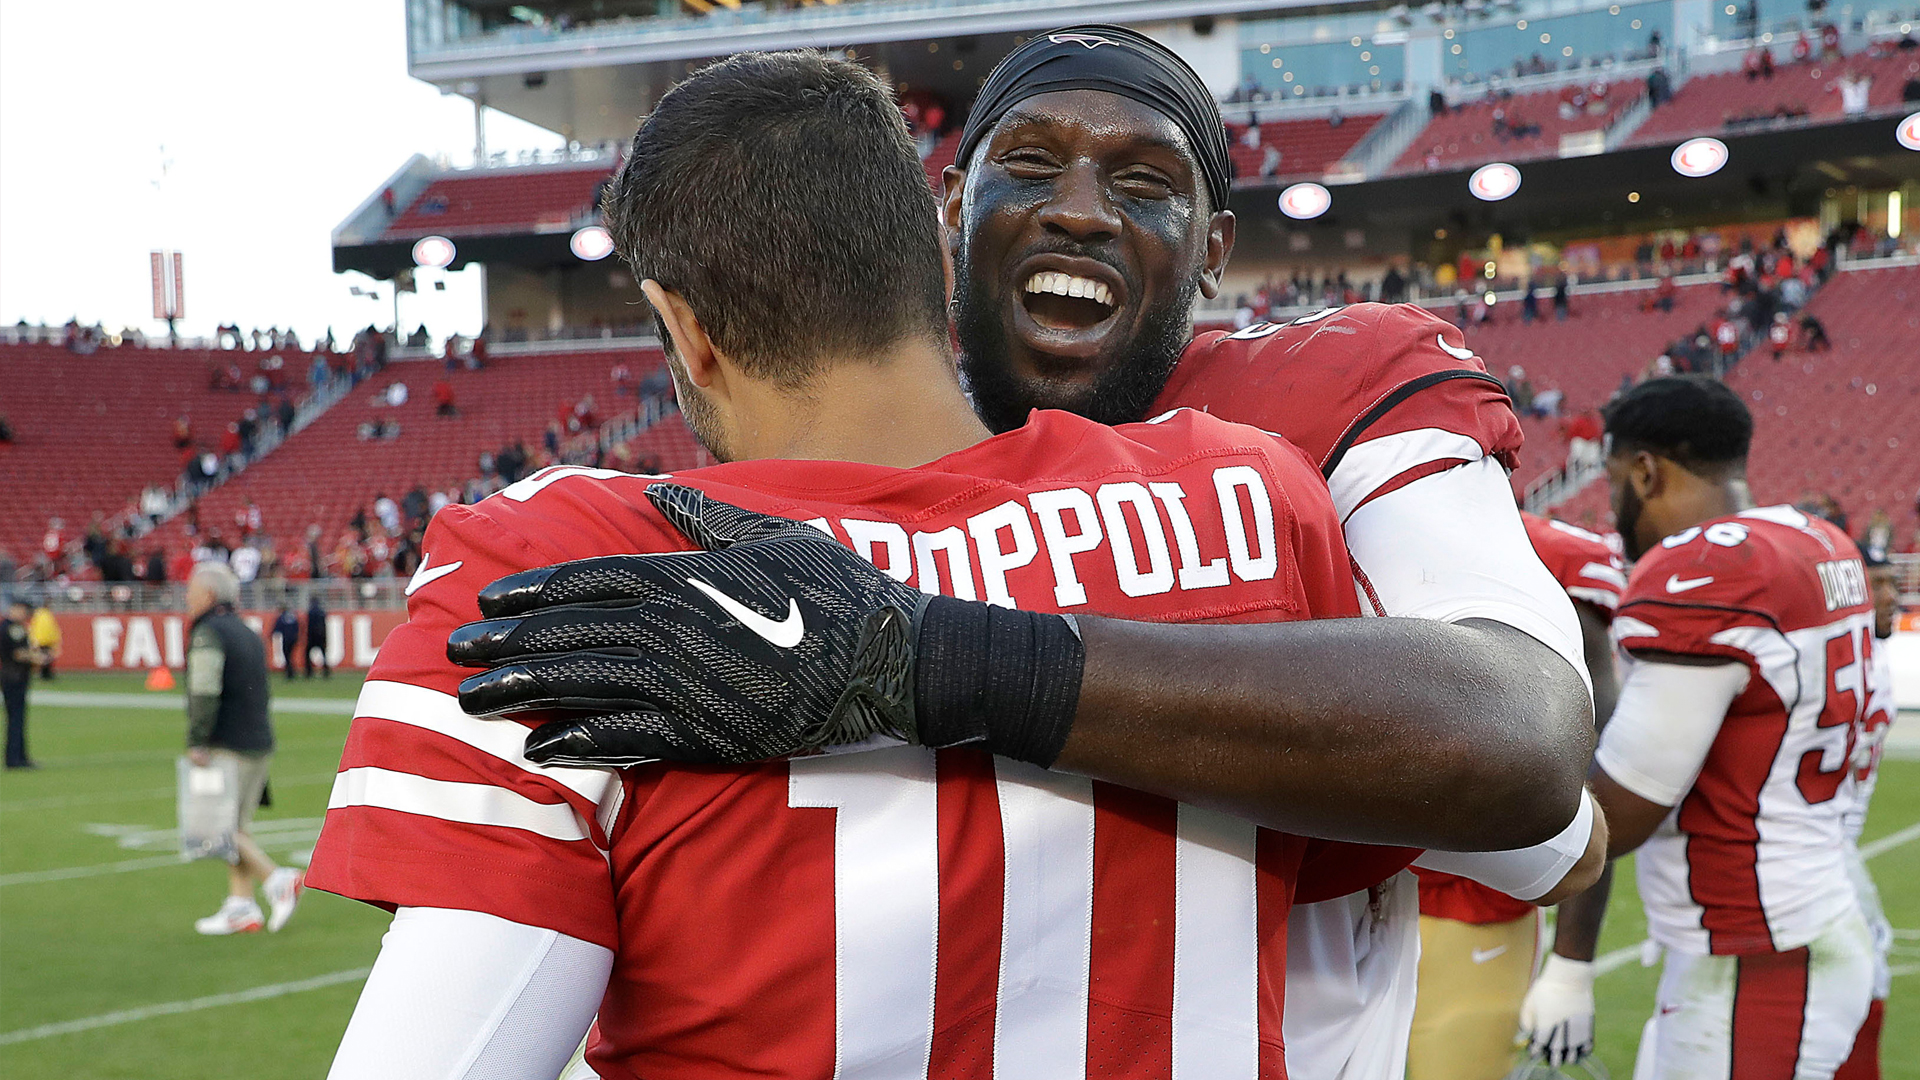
897,911
1378,395
1752,859
1584,566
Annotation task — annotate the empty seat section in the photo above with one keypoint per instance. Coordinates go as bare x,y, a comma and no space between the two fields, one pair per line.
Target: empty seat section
1307,147
500,200
1477,132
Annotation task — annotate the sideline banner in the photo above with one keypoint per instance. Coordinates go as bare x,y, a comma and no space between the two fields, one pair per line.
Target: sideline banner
135,642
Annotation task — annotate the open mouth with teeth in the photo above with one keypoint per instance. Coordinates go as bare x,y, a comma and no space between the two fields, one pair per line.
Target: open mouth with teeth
1060,301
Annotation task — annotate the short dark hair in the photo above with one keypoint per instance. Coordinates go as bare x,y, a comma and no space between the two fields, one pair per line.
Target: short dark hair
780,195
1692,420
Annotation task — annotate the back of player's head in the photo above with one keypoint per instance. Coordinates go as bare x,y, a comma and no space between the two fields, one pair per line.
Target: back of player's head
781,197
1692,420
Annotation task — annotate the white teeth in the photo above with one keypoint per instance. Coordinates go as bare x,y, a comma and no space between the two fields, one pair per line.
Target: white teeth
1048,281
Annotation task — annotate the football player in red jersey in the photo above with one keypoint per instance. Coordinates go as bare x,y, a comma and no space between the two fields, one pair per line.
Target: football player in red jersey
1477,944
890,912
1747,635
1091,197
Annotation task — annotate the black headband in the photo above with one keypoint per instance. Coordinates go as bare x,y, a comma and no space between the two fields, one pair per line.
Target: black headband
1115,60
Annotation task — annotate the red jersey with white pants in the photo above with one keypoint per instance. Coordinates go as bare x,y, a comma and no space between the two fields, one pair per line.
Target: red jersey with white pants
1591,573
1415,438
1751,860
896,912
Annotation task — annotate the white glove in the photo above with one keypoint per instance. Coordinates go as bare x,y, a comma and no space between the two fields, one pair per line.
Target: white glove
1556,1018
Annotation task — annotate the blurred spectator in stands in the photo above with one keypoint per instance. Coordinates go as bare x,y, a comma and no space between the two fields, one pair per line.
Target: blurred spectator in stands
477,354
1855,88
117,563
396,394
1758,63
182,431
406,554
1583,435
325,344
1436,102
319,373
437,499
443,399
1560,294
155,570
54,538
1665,293
245,561
387,201
1393,286
1519,388
1659,88
43,632
1780,335
1270,161
1814,333
379,554
387,511
284,415
349,556
316,558
9,572
286,627
181,564
1529,304
583,418
414,505
1802,48
551,439
1829,41
1546,403
316,641
248,426
358,523
6,432
94,542
1877,540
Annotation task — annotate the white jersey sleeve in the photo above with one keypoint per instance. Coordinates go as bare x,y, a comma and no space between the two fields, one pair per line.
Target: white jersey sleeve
1451,546
1664,724
462,995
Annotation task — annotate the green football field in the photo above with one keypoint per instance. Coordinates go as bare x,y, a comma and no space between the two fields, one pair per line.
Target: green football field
101,974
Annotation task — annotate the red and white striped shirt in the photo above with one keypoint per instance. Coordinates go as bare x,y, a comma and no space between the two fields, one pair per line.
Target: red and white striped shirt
893,913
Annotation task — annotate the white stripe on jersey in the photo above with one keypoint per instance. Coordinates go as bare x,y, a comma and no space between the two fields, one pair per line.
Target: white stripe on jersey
1606,598
1046,935
1216,957
404,703
472,804
886,912
1371,464
1603,572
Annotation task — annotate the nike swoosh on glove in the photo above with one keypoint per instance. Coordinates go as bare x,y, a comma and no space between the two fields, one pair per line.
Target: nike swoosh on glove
776,640
1557,1015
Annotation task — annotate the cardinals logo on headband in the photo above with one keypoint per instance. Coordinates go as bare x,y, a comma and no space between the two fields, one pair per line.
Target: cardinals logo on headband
1089,40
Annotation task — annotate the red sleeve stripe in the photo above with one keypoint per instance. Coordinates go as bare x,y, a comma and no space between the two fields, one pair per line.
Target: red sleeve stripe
1372,465
404,703
472,804
1606,598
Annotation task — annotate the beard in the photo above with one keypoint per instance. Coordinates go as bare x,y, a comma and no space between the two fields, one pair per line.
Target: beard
1626,518
1121,394
699,413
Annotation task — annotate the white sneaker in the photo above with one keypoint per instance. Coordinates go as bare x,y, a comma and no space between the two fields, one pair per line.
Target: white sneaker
239,915
283,888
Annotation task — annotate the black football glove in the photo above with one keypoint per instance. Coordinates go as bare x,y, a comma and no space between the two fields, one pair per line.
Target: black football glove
774,641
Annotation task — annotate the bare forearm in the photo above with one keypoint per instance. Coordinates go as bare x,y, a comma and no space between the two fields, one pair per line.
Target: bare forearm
1576,933
1396,731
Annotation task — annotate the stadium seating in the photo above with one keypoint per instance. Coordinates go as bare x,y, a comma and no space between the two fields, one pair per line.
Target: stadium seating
1307,147
1842,422
327,472
90,432
1464,136
942,156
534,199
1606,336
1705,105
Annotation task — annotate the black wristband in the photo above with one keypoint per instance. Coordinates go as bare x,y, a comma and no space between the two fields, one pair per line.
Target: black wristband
991,674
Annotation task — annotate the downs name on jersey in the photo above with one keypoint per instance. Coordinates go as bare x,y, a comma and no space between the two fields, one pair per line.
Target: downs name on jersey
891,913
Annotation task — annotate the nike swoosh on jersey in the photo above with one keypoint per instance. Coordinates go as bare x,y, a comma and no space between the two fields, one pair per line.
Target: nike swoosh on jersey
1457,354
1675,583
424,577
1481,956
784,633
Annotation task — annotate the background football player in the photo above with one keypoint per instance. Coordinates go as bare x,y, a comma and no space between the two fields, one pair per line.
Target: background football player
1729,759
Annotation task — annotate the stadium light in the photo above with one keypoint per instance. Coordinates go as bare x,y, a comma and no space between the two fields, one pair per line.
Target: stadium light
1494,182
1909,132
433,251
1303,201
1699,157
591,243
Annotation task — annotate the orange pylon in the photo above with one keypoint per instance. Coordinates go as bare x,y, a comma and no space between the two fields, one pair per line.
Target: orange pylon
159,679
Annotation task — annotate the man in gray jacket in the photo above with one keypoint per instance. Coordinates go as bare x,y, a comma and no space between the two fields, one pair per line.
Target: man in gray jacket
228,725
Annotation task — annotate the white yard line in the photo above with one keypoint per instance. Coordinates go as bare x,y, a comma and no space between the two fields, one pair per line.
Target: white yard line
174,1008
69,873
55,802
87,699
1626,954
